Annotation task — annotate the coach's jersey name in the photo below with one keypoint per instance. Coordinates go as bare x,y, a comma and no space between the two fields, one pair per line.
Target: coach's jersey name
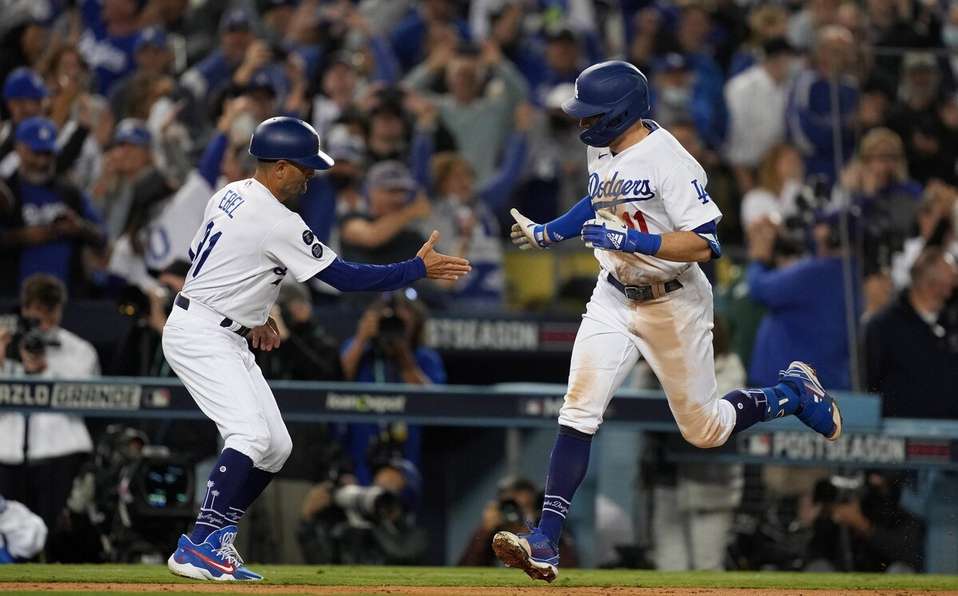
230,202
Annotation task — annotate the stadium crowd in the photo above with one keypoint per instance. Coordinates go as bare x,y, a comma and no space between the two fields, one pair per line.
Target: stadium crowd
828,128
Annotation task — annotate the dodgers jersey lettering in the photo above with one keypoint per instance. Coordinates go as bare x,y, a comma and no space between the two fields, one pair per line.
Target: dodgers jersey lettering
654,186
241,252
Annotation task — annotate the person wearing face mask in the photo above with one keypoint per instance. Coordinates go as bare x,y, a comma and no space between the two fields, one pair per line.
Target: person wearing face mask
44,221
911,347
680,94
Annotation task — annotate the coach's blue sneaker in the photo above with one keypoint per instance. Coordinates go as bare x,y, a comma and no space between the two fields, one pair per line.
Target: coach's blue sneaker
532,552
216,559
818,410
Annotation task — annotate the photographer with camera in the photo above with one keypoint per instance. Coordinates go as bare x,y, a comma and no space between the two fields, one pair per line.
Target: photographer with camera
517,504
859,525
802,321
347,523
387,348
41,454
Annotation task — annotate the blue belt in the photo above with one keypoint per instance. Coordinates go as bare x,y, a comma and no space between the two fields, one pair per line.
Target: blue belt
646,292
184,303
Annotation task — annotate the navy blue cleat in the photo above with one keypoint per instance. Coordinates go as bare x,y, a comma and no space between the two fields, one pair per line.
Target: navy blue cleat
214,560
532,552
818,410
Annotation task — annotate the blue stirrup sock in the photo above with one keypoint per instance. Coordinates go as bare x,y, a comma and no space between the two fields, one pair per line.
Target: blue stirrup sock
567,467
232,486
758,405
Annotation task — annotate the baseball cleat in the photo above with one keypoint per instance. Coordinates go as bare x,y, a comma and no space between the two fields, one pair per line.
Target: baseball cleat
214,560
532,552
818,410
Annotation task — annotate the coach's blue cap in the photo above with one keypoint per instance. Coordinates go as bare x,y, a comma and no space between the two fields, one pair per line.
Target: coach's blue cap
151,37
236,19
39,134
132,131
23,83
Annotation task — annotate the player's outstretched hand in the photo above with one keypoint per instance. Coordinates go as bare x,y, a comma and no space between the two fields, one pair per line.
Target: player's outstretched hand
265,337
526,234
440,266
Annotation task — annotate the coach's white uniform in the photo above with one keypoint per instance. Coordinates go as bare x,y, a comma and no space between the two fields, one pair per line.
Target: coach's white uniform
654,186
247,243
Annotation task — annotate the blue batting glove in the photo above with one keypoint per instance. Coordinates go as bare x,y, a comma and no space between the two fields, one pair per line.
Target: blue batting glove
611,235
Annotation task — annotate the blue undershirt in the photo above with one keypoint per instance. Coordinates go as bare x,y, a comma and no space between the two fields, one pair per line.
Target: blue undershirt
346,276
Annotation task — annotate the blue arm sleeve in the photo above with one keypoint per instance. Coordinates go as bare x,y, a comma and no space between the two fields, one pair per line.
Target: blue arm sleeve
495,193
212,159
709,233
359,277
420,155
569,224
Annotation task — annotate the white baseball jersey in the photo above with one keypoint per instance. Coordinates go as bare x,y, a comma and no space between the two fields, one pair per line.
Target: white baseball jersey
654,186
247,242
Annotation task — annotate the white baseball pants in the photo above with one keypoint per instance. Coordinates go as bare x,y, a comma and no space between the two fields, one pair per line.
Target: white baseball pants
674,335
218,369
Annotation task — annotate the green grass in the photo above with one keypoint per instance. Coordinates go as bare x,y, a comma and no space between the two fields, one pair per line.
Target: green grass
493,577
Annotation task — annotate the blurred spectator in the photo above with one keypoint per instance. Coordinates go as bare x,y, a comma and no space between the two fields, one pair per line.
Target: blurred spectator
804,25
555,169
517,506
154,60
385,231
45,222
876,183
22,532
39,459
23,95
129,179
426,25
861,526
911,348
915,117
308,352
109,39
23,44
778,182
210,77
935,218
680,94
809,115
765,23
388,348
85,119
337,94
801,323
466,216
694,504
159,229
477,112
756,102
140,353
374,524
563,63
693,40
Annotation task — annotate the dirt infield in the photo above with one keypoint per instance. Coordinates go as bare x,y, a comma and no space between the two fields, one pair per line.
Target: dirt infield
556,590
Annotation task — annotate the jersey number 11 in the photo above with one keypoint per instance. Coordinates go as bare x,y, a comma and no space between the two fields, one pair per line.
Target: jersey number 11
203,255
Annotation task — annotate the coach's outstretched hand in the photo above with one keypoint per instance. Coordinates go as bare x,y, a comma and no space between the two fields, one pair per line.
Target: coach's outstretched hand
440,266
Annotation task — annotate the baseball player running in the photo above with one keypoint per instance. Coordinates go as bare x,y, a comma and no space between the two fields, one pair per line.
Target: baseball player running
243,250
650,220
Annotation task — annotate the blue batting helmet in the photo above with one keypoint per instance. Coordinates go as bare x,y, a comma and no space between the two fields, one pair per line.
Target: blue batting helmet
614,90
289,139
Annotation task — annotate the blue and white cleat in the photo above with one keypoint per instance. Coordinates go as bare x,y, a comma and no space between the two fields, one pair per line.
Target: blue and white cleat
214,560
532,552
818,410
